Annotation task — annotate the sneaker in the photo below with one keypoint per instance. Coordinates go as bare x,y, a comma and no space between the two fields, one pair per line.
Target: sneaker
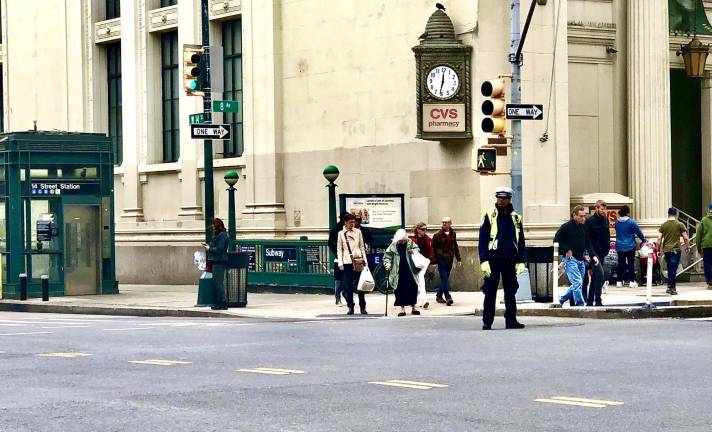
619,284
425,305
633,285
673,292
605,287
449,301
439,300
709,286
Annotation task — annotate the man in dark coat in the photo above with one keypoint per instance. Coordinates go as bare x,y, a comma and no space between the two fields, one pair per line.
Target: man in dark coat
502,253
600,234
577,249
338,274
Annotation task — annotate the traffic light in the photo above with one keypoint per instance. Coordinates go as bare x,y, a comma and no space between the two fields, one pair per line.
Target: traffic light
494,108
193,68
486,160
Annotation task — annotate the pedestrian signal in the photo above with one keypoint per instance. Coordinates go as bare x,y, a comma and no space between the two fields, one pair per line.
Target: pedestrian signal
494,107
486,160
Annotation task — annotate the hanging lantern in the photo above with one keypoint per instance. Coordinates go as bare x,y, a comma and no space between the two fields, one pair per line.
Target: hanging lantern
694,54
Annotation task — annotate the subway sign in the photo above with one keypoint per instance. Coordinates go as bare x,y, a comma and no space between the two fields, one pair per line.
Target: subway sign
56,188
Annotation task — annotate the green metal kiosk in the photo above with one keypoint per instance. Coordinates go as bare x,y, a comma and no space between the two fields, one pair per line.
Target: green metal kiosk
57,210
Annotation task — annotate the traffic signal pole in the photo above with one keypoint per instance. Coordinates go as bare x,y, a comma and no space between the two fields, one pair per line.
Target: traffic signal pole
207,144
516,98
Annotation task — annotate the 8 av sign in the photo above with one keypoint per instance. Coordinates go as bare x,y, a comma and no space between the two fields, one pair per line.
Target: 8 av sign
525,112
216,131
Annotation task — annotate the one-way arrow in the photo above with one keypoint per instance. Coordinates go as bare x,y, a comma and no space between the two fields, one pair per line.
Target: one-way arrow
525,112
218,131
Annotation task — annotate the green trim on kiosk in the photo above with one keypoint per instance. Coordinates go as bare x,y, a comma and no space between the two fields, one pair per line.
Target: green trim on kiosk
41,173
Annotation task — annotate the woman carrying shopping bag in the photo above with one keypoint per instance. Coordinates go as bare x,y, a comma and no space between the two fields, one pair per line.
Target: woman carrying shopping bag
351,256
425,246
398,261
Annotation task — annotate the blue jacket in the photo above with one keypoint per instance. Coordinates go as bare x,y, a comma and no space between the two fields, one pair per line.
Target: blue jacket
217,253
626,230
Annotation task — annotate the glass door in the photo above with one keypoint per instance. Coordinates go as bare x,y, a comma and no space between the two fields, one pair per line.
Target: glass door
81,249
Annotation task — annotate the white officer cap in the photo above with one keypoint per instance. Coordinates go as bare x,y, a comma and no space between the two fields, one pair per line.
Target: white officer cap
503,192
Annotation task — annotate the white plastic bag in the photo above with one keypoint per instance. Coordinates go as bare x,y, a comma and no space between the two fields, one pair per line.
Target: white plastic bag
419,260
206,275
199,260
365,281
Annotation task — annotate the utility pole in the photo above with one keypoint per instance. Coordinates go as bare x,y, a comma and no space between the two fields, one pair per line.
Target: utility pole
207,144
516,98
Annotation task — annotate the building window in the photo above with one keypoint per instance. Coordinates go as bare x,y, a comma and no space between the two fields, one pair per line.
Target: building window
113,9
165,3
113,60
232,75
169,64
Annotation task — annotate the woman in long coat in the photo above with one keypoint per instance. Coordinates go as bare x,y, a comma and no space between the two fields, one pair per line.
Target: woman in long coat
403,273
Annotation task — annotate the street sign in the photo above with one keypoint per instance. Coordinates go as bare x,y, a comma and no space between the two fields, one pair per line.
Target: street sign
486,160
227,106
214,131
525,112
196,118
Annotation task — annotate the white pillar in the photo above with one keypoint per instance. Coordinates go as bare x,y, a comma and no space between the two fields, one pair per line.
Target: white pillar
649,154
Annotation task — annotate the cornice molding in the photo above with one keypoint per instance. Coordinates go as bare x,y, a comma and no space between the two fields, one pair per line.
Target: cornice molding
223,9
107,31
163,19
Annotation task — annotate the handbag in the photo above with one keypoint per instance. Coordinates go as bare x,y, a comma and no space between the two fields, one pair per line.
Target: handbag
358,262
419,260
365,281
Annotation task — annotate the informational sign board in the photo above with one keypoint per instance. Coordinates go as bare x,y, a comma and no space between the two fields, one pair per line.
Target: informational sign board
214,131
55,188
252,266
525,112
443,117
377,210
312,254
281,253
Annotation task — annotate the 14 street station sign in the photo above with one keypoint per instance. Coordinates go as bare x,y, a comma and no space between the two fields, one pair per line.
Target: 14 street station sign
525,112
215,131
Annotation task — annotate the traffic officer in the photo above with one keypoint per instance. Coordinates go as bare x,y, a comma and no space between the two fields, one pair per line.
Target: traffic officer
502,250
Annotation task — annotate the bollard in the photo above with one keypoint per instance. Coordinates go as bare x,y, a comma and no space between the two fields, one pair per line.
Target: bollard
555,269
649,282
23,286
45,288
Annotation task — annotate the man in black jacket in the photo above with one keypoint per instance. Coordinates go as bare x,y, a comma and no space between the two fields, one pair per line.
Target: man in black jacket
575,242
600,234
338,274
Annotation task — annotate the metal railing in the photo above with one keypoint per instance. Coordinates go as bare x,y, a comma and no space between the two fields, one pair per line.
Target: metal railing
691,261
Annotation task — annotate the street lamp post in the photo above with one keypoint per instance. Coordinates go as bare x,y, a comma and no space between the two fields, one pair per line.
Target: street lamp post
331,173
231,178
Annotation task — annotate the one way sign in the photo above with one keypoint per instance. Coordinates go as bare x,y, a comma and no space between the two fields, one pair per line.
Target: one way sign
525,112
216,131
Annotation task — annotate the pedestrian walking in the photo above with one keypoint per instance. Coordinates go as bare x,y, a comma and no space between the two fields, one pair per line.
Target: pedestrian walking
575,242
217,255
600,234
703,235
425,245
445,250
338,273
351,256
502,254
402,272
626,231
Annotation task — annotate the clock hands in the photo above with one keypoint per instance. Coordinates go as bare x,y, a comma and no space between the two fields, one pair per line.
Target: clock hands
441,83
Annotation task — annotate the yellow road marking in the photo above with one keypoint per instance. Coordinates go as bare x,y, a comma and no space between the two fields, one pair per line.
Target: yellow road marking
593,401
158,362
64,355
418,383
395,384
565,402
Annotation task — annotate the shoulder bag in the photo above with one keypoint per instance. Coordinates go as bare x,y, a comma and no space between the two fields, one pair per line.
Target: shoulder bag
358,262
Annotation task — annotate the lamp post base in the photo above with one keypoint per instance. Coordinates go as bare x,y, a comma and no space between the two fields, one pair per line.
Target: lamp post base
205,292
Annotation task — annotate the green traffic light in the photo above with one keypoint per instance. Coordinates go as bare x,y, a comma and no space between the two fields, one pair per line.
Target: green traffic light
193,84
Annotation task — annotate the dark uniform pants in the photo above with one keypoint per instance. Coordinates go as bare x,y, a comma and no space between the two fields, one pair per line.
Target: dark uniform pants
506,269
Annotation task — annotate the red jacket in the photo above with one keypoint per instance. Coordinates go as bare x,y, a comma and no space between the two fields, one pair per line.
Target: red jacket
425,244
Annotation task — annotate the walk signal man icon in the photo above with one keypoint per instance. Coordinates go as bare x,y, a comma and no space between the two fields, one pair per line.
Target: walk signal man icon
486,160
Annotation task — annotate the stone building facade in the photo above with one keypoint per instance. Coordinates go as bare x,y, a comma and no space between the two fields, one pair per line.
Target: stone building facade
333,82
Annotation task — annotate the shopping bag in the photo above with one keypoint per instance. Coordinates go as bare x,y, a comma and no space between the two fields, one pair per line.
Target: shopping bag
365,281
206,275
419,260
199,259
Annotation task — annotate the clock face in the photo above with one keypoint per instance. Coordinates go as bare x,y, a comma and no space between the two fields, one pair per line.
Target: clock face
443,82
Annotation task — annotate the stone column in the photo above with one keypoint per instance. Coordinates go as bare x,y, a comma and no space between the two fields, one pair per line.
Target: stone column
132,60
649,158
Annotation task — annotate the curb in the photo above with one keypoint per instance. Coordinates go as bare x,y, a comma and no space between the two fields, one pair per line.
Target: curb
701,311
12,306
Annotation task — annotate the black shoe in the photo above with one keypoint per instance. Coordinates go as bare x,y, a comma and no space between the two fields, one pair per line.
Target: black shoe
415,312
350,312
599,304
363,312
673,292
486,327
439,300
401,313
515,325
589,304
449,302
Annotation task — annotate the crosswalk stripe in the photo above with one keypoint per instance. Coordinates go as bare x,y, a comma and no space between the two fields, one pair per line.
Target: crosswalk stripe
566,402
266,372
64,355
158,362
291,371
419,383
593,401
24,334
126,329
66,326
395,384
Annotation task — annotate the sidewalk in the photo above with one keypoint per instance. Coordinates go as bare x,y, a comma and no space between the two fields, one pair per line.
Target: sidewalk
694,301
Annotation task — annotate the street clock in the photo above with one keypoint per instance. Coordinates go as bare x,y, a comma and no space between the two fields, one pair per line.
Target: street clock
443,66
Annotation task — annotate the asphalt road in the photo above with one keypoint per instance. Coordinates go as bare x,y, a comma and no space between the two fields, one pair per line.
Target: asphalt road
88,373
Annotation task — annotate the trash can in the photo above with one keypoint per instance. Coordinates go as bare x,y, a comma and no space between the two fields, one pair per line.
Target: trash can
236,278
540,264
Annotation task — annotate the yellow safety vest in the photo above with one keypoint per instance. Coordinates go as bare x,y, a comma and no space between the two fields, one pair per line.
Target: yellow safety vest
492,216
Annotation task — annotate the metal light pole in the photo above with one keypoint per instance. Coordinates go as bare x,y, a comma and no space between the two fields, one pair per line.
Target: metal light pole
516,98
231,178
331,173
207,144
